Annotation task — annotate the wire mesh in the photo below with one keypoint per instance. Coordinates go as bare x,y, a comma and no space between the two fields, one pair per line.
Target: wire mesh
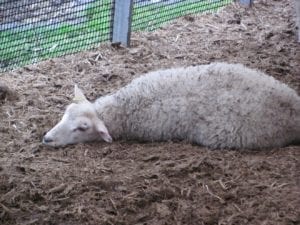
151,14
34,30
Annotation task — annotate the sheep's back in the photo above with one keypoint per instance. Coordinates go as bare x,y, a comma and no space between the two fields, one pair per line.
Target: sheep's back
218,105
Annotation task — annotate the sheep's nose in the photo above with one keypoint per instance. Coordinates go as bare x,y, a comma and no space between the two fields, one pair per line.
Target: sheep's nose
47,140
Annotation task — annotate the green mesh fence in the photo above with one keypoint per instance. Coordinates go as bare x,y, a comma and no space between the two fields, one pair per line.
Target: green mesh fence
35,30
150,14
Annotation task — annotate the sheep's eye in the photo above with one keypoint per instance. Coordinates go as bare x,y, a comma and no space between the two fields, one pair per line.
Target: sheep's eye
81,128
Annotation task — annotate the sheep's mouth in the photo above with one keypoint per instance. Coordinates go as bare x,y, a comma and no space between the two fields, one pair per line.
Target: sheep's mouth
51,143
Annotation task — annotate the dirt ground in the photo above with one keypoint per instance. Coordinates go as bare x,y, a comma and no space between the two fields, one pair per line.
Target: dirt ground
149,183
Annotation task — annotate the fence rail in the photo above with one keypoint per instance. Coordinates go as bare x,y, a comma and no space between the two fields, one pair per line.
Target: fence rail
35,30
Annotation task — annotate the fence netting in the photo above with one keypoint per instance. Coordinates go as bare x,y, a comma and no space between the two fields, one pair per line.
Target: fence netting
150,14
34,30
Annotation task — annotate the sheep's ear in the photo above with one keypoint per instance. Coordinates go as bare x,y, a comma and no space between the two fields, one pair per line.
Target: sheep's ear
78,95
103,132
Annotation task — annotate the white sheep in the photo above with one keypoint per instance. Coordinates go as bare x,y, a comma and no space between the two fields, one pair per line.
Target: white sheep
218,105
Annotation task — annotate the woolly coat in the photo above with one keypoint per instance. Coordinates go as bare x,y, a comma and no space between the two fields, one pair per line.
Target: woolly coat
218,105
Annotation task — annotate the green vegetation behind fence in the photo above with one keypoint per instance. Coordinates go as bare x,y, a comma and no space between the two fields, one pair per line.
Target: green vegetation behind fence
29,42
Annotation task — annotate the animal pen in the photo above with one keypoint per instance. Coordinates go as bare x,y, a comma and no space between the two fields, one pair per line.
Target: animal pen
48,46
31,31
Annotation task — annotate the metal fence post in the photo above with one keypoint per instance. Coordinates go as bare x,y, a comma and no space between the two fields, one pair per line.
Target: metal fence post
122,22
246,2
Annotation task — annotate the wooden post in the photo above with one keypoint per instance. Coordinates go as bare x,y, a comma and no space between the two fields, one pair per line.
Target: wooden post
247,3
122,22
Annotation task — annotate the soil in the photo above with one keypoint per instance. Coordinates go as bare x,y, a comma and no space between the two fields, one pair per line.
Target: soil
149,183
6,94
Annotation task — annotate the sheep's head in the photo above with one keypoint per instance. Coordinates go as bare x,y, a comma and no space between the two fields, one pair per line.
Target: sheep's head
80,123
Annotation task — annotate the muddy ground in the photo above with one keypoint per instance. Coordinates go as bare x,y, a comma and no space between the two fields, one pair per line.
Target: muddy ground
149,183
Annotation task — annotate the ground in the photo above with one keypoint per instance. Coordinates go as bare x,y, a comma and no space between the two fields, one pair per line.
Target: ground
149,183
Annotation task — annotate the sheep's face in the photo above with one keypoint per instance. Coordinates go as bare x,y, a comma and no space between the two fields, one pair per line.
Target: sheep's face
80,123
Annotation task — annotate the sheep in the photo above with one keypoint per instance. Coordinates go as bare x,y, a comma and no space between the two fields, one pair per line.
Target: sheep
220,106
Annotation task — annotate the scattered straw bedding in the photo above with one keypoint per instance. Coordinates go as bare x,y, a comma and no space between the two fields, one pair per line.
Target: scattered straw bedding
150,183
